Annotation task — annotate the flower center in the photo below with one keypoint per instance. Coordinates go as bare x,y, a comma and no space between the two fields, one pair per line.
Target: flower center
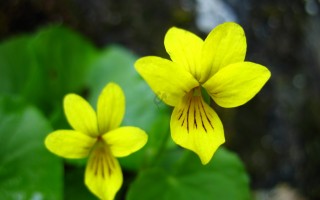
196,91
101,161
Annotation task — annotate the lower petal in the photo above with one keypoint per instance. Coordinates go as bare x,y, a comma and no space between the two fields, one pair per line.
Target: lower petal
197,127
103,174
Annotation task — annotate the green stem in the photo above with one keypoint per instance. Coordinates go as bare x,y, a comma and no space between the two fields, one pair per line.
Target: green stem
161,149
181,162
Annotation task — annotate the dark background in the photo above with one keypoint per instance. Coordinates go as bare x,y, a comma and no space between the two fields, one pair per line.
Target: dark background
277,134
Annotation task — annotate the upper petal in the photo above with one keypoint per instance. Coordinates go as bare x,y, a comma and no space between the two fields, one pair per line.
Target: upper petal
110,108
69,143
103,174
168,80
80,115
125,140
184,48
237,83
196,126
224,45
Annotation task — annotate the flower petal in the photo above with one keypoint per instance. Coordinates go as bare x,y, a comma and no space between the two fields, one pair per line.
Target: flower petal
111,108
69,143
236,84
224,45
184,48
196,126
80,115
125,140
103,174
168,80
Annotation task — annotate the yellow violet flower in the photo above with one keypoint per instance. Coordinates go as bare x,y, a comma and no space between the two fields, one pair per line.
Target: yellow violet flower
98,135
216,64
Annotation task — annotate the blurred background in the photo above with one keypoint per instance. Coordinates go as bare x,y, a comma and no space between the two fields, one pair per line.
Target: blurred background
277,134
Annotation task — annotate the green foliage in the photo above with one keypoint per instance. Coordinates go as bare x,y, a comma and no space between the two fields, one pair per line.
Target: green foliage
27,169
44,67
63,59
223,178
39,70
74,187
17,66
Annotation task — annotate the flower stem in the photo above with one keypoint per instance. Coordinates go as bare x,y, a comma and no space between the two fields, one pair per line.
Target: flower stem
159,154
181,162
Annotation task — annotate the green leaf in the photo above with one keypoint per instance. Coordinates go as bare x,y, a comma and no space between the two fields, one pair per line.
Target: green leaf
143,109
27,169
43,67
64,58
74,184
17,65
223,178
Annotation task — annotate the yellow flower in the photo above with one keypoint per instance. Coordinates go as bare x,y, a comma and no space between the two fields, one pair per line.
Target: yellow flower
216,64
99,135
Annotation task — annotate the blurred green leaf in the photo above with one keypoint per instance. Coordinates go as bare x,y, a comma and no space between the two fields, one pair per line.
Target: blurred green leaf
223,178
143,109
64,58
74,184
17,66
43,67
27,169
